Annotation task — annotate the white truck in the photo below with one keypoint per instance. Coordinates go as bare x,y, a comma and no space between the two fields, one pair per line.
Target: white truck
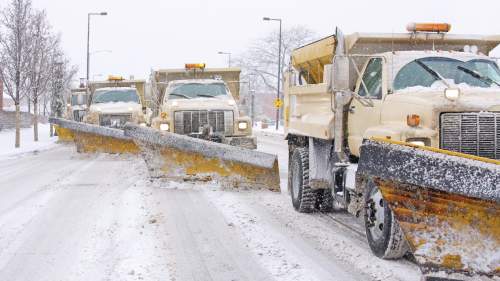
425,87
202,103
116,102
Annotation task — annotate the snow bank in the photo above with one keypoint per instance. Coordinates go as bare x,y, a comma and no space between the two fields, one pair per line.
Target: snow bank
7,141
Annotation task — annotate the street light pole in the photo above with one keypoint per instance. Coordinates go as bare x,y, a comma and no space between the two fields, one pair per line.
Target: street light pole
88,39
228,59
279,70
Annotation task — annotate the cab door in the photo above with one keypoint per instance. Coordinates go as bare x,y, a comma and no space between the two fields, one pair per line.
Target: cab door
364,112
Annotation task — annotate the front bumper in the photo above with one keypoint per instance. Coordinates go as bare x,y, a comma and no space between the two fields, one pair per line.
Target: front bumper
245,142
248,142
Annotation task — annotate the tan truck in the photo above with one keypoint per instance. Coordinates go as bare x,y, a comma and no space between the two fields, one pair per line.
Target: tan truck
202,103
425,87
117,101
77,105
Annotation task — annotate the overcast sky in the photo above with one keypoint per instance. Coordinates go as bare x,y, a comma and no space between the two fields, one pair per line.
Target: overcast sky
167,34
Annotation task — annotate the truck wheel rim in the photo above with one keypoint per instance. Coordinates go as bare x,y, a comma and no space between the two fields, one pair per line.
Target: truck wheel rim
295,182
376,213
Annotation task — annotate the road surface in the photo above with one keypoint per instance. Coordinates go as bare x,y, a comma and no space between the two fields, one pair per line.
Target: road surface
68,216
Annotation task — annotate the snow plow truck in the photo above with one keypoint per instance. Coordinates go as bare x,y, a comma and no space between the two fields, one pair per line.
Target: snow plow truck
202,103
77,105
404,131
117,101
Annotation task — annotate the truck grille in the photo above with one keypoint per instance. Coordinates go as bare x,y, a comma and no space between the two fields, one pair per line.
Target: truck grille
472,133
114,120
188,122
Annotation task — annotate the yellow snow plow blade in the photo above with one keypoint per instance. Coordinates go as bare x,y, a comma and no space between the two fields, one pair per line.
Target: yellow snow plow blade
64,134
447,204
93,138
179,157
185,158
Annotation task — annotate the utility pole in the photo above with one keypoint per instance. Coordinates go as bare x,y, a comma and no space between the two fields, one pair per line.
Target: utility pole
279,71
88,39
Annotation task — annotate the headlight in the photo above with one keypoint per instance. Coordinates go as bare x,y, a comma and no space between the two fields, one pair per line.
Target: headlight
164,127
242,125
452,94
419,143
130,109
142,124
231,102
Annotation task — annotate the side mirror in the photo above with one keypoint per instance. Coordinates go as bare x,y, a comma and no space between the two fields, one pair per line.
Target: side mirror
340,75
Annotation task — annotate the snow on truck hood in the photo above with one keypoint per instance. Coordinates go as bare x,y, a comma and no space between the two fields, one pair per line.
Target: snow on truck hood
471,98
116,107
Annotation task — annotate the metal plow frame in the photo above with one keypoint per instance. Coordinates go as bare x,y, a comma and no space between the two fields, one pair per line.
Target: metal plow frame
178,157
447,204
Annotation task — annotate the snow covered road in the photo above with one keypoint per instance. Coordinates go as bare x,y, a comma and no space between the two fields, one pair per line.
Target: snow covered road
65,216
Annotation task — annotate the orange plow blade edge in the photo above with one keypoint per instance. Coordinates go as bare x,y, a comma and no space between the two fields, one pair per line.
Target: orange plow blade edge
446,203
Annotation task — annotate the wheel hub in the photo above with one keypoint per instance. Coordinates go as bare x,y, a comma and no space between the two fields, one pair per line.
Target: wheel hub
375,213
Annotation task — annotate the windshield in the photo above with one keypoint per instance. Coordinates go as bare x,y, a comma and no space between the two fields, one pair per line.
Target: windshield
195,90
475,73
116,95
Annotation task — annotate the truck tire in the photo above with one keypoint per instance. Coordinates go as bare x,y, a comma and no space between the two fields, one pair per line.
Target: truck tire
303,197
325,200
383,232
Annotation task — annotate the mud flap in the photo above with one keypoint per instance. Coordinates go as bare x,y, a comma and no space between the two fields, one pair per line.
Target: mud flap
447,204
184,158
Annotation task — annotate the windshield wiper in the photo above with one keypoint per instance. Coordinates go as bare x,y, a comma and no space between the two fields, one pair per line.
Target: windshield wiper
434,73
477,75
179,95
206,96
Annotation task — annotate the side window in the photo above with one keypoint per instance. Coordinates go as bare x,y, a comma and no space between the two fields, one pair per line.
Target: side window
372,79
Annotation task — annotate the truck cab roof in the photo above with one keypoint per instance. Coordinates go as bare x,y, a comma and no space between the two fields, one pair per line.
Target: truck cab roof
199,81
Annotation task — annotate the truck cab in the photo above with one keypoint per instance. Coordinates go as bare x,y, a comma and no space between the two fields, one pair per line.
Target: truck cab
443,99
204,106
116,102
77,104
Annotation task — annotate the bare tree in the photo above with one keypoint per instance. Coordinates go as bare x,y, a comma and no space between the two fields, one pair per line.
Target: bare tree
61,75
261,58
44,46
15,52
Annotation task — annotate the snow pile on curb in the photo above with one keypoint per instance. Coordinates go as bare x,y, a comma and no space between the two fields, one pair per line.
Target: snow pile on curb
7,141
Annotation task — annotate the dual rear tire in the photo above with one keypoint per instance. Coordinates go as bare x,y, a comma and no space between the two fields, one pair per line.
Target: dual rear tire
383,233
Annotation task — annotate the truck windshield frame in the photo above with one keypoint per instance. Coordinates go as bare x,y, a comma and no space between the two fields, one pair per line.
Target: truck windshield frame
414,75
116,95
196,90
